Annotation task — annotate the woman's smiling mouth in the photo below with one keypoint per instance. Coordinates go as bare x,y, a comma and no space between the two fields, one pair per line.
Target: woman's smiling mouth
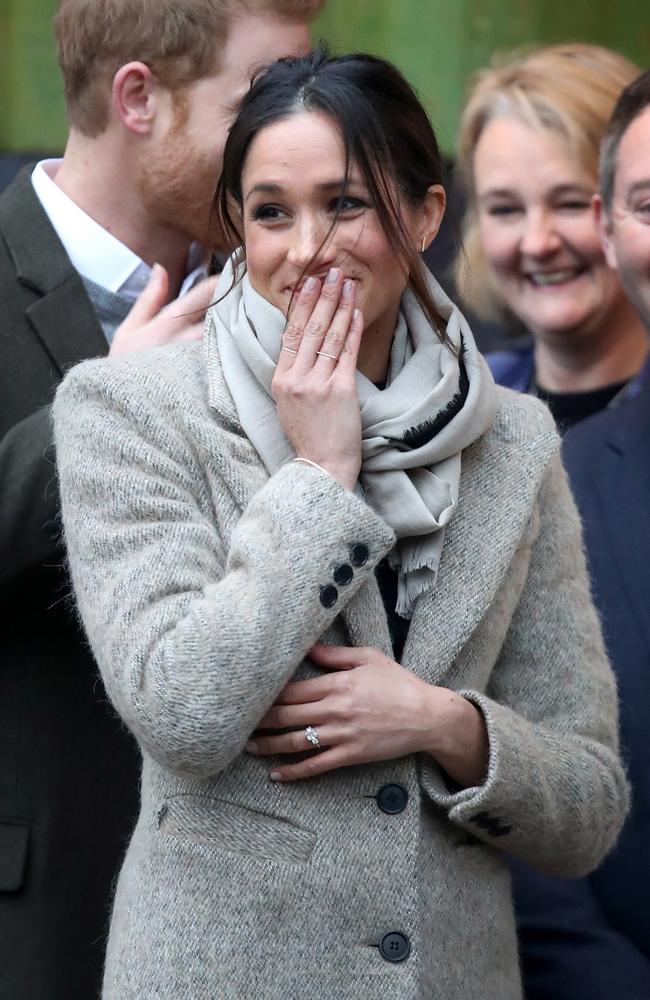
545,279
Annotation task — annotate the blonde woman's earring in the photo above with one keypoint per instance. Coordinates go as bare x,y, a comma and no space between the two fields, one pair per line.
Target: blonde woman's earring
424,244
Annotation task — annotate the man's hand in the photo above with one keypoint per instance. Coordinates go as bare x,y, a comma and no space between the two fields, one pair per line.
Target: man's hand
151,323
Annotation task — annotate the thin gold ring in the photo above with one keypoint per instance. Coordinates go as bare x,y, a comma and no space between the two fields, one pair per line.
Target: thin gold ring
288,350
324,354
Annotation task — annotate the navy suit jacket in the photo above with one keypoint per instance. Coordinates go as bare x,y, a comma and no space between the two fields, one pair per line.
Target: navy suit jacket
513,367
589,939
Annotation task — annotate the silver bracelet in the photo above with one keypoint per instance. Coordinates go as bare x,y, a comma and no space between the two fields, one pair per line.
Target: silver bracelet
314,465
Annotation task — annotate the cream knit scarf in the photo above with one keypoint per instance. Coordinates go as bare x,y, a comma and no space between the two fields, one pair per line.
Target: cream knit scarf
414,430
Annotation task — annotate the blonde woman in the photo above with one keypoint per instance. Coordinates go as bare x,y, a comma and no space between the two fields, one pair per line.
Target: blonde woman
528,148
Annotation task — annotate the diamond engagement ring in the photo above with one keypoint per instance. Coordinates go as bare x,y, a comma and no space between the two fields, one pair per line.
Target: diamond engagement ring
312,736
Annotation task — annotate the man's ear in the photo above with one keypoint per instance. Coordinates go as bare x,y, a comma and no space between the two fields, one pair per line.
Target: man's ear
133,96
604,224
435,202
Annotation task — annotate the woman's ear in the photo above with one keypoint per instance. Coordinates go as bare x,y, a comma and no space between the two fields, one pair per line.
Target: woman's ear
433,209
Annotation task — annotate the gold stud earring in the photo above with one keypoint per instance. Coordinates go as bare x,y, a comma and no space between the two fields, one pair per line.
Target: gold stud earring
424,244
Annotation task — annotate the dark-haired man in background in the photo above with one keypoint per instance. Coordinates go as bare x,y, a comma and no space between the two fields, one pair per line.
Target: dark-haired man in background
150,90
590,939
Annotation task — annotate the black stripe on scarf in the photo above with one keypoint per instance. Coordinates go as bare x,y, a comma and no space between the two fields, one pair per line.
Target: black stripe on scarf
415,437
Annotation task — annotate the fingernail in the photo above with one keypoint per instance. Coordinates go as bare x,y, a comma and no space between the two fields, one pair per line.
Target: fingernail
310,284
155,271
347,288
332,275
275,776
251,746
356,313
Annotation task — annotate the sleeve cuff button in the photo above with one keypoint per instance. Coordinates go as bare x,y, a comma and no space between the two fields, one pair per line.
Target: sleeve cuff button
343,574
329,595
359,554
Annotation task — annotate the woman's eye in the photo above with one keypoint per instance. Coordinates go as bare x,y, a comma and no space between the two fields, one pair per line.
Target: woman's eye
268,213
575,205
643,209
503,210
348,204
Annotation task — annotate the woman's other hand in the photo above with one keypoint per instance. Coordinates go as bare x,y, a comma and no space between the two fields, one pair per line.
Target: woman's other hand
314,384
369,709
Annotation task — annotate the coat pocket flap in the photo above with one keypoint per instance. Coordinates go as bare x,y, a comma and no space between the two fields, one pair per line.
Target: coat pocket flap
231,827
14,841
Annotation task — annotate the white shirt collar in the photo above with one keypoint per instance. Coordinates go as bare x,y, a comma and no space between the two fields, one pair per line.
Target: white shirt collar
94,252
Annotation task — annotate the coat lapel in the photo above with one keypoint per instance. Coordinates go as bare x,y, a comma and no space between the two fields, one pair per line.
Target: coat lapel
499,486
623,484
61,315
66,324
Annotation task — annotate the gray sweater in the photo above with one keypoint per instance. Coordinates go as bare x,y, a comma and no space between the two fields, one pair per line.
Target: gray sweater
198,579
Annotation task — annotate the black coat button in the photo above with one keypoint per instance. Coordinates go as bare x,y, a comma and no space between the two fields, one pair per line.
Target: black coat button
359,554
392,799
395,946
329,595
343,574
492,824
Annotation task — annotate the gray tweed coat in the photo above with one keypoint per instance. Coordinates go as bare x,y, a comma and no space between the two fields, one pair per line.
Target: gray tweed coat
198,580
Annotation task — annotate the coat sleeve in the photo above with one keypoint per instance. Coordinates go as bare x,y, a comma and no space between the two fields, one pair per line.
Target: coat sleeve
29,534
195,633
569,950
555,794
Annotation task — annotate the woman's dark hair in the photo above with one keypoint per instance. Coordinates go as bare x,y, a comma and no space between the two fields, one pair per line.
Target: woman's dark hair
384,128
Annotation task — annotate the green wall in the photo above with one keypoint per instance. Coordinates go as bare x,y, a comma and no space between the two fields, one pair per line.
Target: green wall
31,93
438,43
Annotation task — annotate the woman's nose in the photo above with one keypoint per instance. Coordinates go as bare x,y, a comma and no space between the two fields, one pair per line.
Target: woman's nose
540,237
311,243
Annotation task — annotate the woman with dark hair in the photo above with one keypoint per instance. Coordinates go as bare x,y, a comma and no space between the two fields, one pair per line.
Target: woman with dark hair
328,548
